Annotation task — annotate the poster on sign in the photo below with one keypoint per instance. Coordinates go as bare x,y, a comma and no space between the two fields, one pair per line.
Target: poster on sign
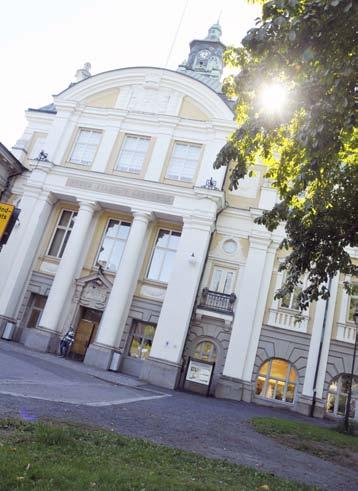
199,372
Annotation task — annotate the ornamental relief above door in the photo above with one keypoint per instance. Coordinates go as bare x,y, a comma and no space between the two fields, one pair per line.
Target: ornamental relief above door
93,291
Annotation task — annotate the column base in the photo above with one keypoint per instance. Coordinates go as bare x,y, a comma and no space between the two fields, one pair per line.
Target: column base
161,373
98,356
40,340
303,406
234,389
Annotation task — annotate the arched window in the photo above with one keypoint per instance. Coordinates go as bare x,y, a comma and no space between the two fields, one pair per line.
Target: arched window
338,393
277,379
206,351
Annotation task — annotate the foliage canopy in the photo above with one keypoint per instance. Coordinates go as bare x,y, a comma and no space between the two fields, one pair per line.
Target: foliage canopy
310,146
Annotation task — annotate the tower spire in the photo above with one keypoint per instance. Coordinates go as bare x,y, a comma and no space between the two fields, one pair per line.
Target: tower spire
205,61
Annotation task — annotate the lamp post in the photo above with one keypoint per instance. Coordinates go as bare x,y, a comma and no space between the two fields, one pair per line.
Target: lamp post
346,416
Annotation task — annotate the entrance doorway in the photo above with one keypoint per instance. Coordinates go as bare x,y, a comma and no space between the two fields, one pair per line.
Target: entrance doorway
86,332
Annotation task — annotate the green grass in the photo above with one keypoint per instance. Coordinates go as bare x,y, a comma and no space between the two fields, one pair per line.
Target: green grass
55,456
327,443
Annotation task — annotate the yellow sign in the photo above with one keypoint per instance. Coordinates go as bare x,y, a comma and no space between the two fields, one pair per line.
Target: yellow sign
6,210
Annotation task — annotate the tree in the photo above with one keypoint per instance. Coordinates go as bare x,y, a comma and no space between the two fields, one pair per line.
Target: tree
310,146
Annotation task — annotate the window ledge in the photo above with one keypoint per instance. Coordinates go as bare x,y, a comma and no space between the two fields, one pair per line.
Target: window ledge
346,332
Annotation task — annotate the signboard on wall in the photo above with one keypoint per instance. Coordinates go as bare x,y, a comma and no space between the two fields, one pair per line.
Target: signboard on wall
199,372
6,211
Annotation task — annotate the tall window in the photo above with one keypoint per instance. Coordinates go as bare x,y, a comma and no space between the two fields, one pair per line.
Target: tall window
353,303
132,155
338,394
183,162
37,305
277,380
141,340
112,247
85,147
163,256
62,233
222,280
206,351
290,300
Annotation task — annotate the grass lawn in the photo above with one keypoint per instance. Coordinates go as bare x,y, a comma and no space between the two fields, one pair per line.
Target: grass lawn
56,456
326,443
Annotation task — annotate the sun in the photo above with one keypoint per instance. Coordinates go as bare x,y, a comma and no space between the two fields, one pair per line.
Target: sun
273,97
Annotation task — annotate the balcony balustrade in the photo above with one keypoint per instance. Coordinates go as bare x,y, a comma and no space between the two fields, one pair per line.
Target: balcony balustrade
294,321
346,332
217,302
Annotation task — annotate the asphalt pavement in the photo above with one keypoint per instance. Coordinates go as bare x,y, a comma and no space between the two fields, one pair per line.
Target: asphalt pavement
40,385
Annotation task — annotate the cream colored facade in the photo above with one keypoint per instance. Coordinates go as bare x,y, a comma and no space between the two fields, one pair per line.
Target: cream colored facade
193,276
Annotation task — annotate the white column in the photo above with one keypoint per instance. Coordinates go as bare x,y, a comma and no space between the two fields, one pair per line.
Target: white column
116,312
19,253
182,288
69,265
246,310
260,311
327,337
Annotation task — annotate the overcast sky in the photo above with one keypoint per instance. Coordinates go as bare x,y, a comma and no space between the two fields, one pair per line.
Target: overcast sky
44,42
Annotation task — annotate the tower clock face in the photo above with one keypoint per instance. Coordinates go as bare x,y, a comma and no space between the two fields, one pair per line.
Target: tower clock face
204,54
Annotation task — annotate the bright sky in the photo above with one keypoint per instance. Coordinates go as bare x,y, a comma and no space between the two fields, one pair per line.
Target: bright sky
44,42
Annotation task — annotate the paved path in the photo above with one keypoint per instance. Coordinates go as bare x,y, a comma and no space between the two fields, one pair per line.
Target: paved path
70,391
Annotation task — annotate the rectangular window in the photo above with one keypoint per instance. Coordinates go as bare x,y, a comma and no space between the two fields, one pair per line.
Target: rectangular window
85,147
163,256
132,155
353,302
62,233
290,300
113,243
222,280
183,162
37,306
141,340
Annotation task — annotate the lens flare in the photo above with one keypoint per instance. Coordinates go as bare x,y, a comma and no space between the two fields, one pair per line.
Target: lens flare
273,98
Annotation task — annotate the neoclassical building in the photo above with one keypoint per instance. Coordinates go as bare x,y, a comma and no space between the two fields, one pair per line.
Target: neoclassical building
129,235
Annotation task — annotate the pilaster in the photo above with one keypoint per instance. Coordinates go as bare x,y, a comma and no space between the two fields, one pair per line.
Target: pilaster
178,304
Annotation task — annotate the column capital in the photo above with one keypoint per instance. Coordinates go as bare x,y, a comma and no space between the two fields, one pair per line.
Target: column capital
258,242
90,206
143,216
199,223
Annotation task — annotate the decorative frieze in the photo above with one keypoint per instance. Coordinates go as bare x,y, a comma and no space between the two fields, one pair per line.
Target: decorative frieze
102,187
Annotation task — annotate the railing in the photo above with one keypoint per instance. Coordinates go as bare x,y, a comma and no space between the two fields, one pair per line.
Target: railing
218,302
346,332
294,321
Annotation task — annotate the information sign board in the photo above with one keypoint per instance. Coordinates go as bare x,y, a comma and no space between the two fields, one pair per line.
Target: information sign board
6,211
199,372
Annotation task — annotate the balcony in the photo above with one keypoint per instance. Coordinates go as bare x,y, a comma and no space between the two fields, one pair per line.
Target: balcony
293,321
346,332
216,304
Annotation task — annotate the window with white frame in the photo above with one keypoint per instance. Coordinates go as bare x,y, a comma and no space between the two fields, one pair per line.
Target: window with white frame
37,305
163,256
85,147
183,162
222,280
141,340
132,154
338,395
113,243
62,233
277,380
353,303
290,300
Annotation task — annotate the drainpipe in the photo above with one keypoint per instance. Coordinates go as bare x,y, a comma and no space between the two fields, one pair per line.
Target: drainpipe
313,405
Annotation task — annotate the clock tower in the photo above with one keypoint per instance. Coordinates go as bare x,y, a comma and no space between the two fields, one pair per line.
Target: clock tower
205,61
